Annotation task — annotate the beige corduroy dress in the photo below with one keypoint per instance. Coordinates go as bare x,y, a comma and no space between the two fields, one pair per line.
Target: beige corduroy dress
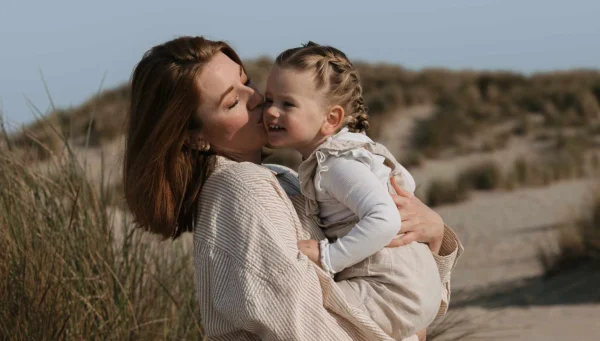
399,288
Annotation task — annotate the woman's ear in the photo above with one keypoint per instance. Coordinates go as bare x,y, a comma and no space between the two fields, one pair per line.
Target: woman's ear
195,141
333,120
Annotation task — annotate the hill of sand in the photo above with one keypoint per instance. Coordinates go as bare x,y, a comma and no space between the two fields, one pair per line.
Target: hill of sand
499,279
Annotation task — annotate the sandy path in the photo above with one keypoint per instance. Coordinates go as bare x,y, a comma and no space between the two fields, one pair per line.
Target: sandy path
499,271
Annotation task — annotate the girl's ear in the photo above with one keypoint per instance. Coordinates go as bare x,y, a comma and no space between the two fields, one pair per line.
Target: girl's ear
333,120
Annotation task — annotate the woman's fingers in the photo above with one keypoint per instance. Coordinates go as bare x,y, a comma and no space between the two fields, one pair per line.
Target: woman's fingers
395,243
405,239
400,201
399,190
406,215
407,226
408,238
408,212
419,222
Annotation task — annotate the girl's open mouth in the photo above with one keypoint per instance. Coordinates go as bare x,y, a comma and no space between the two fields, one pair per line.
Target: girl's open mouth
274,127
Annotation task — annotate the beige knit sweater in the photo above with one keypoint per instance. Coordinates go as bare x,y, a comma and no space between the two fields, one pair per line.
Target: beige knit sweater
251,280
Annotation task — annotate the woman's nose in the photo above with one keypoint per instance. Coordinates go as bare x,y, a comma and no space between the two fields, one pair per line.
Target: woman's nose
256,99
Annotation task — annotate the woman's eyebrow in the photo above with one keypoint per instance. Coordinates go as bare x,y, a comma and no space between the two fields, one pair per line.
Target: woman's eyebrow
231,87
225,93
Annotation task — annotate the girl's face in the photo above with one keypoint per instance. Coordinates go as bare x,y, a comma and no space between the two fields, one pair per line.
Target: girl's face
230,109
294,110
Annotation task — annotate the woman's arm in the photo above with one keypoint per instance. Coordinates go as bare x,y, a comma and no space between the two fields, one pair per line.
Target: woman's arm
284,306
421,223
250,272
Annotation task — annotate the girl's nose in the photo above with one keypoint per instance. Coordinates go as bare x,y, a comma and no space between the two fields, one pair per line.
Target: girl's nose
271,111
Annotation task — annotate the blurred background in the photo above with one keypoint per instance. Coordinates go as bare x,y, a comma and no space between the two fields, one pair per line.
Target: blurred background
494,107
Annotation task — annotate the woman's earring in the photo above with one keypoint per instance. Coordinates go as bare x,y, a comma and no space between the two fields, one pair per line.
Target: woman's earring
205,147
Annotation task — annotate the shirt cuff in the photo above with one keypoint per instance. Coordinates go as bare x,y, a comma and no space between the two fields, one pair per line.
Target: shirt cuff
325,258
450,251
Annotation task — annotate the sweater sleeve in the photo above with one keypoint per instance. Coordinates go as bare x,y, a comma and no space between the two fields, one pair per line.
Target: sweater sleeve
250,270
446,260
354,185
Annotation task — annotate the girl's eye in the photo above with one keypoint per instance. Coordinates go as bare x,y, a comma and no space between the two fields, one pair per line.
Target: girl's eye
288,104
237,100
268,101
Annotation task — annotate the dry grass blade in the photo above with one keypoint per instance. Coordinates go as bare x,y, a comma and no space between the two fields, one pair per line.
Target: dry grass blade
461,325
578,243
74,273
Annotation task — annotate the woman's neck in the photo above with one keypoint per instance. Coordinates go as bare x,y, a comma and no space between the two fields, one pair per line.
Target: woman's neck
254,157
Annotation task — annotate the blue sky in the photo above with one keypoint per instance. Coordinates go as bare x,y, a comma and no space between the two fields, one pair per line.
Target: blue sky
75,43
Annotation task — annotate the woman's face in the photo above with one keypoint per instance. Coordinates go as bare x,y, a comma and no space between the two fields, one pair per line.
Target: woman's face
230,109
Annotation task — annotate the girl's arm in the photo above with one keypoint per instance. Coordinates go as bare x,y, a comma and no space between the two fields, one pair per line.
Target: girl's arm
353,184
428,227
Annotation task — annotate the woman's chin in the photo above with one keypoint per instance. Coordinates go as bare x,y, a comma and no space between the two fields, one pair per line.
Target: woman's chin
274,145
276,142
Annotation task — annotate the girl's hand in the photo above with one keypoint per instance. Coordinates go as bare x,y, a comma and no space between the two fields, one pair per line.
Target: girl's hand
422,335
419,222
311,249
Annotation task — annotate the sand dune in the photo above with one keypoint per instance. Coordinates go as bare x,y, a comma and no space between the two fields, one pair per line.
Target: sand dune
499,273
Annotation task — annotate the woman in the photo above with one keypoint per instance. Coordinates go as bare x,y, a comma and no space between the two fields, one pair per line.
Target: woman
192,163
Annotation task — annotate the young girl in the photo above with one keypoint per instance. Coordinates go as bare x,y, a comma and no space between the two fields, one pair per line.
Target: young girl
314,104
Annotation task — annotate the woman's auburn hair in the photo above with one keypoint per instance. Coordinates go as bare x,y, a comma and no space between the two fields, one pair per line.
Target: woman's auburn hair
162,177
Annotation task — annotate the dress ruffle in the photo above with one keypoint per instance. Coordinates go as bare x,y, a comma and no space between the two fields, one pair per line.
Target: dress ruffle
314,165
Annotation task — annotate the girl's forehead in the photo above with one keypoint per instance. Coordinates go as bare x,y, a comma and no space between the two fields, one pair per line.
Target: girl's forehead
290,80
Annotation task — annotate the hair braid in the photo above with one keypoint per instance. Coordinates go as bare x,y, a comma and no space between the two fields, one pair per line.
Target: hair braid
335,73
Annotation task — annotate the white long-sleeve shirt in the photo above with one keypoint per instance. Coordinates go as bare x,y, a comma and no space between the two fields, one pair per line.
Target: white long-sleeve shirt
354,184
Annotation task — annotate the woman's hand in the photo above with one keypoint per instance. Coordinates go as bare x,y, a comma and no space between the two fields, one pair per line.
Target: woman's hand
311,249
419,222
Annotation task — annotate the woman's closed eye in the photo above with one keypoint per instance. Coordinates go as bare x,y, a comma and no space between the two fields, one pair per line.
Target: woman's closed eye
237,98
235,102
248,82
